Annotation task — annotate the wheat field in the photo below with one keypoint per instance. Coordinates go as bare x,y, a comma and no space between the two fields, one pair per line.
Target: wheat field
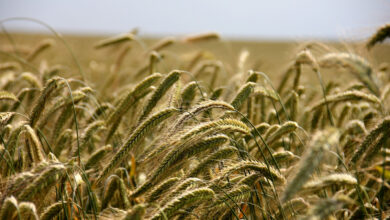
193,127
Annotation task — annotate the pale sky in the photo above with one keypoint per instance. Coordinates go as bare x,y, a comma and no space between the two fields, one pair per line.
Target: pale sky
249,19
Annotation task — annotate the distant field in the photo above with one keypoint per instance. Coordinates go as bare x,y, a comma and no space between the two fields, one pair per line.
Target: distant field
267,56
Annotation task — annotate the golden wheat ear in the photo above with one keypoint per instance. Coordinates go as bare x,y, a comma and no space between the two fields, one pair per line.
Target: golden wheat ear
27,210
307,166
163,43
325,207
380,35
134,138
40,48
53,210
136,212
369,140
198,195
9,207
168,81
202,37
4,95
188,95
115,40
37,110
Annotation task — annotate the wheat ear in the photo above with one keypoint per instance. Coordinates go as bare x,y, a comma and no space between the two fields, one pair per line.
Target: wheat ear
53,210
45,180
168,81
268,172
162,44
337,179
4,95
211,160
188,94
42,46
97,156
384,126
133,139
115,40
131,96
34,146
90,130
380,35
202,37
324,208
243,94
63,140
37,110
286,128
178,154
202,107
307,166
136,213
187,198
347,96
9,206
160,189
27,210
31,79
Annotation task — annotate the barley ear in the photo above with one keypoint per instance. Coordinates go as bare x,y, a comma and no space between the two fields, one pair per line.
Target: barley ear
110,187
202,107
53,210
346,96
37,110
45,180
88,134
307,166
242,95
162,44
34,145
213,159
198,195
27,210
4,95
136,213
286,128
31,79
168,81
9,206
188,94
324,208
178,154
380,35
97,156
202,37
63,140
336,179
115,40
384,126
132,96
5,117
42,46
160,189
135,137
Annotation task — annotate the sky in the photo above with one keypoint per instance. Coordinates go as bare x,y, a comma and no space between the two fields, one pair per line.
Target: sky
239,19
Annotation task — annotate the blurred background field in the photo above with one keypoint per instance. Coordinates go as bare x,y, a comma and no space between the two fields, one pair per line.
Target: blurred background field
271,57
271,31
